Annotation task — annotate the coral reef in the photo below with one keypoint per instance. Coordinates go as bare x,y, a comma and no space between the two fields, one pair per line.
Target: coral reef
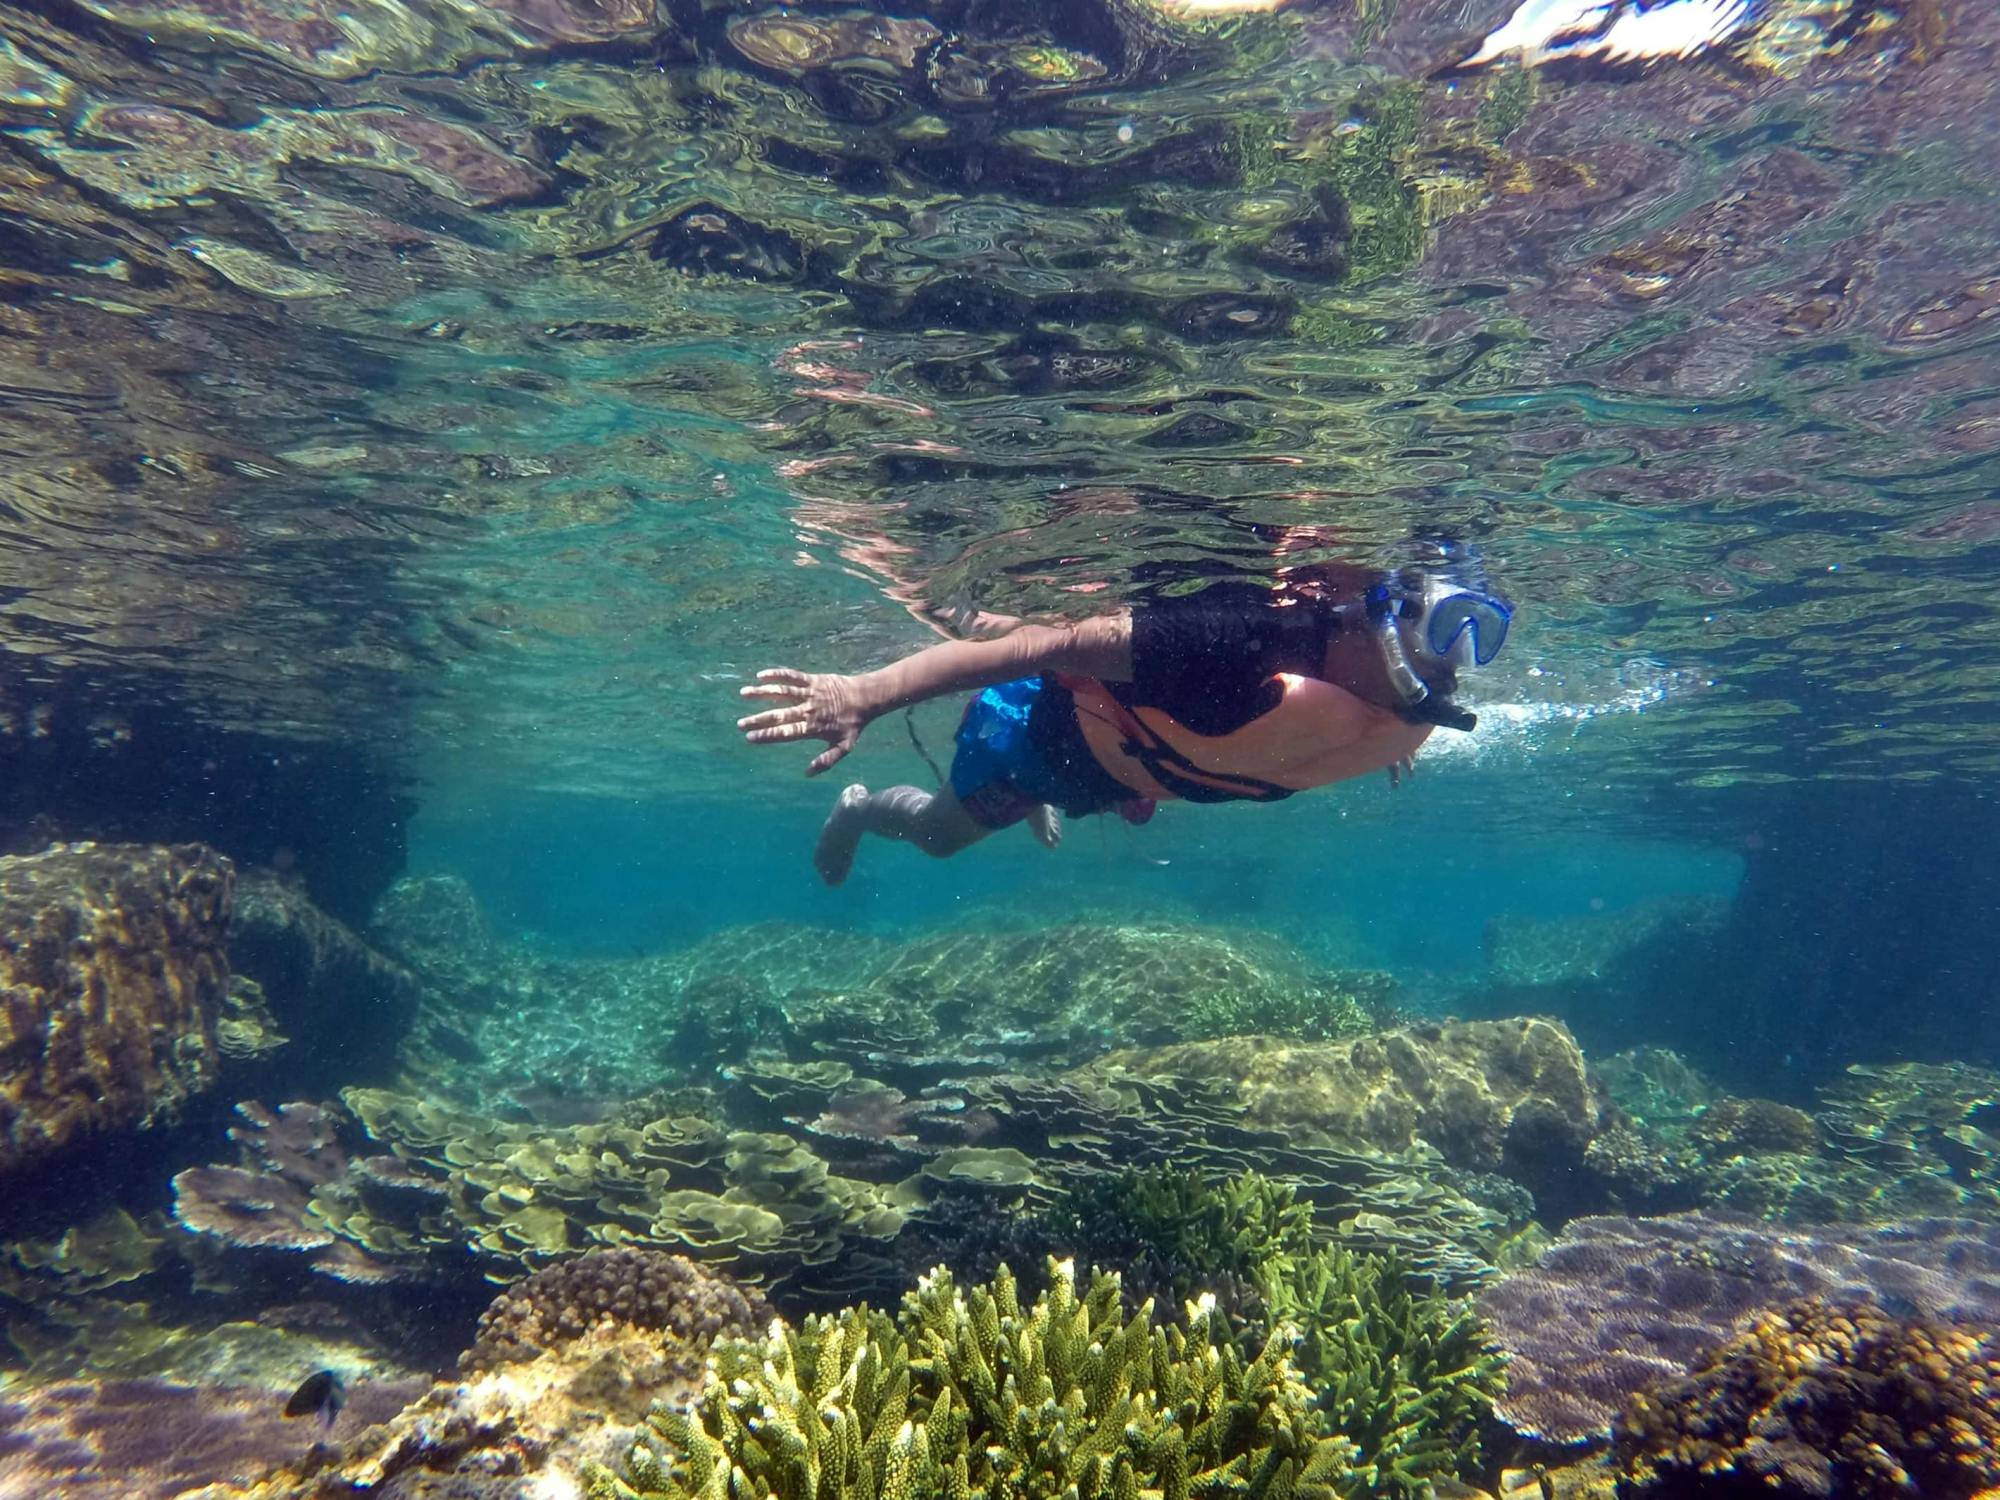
1488,1095
1407,1377
1618,1304
641,1289
296,1189
1888,1142
967,1392
520,1197
1046,996
111,979
1825,1398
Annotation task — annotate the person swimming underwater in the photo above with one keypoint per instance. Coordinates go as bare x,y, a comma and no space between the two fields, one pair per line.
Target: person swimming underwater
1245,700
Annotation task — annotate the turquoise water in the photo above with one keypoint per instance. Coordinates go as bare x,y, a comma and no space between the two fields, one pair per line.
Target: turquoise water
419,421
593,877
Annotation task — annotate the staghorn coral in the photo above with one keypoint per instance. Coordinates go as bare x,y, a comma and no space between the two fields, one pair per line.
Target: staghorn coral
966,1392
641,1289
110,982
1172,1233
1822,1399
1617,1304
1406,1377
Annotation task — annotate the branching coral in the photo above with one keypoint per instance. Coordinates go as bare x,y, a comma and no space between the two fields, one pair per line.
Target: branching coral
967,1393
1405,1377
1179,1232
1826,1398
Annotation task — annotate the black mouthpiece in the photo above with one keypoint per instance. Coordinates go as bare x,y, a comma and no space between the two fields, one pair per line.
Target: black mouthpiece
1443,713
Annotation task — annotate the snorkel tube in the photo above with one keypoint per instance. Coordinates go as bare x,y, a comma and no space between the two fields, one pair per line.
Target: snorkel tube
1386,604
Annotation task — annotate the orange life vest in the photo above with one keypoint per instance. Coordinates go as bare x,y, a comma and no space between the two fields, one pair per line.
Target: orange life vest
1315,733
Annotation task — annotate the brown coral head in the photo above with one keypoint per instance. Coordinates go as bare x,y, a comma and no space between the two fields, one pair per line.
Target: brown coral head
1824,1398
246,1209
622,1288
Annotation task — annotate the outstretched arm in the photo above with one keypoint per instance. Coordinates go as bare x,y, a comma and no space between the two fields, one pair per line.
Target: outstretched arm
830,707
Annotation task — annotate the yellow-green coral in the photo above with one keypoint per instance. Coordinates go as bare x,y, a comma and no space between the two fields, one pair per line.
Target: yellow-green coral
1404,1377
967,1394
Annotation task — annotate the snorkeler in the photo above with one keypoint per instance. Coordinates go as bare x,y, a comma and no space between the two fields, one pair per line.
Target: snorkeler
1243,701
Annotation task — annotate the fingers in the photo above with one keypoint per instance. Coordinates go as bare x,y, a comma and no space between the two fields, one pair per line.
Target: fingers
830,756
778,734
794,717
778,682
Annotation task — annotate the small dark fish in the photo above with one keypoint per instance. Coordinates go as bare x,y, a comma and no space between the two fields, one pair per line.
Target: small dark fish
321,1392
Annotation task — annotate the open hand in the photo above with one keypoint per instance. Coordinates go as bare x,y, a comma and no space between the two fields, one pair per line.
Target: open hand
813,706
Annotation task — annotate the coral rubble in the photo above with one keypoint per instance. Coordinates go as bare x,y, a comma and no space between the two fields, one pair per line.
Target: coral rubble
1617,1304
111,978
1821,1399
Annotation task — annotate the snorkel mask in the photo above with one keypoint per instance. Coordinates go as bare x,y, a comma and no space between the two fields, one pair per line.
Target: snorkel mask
1424,622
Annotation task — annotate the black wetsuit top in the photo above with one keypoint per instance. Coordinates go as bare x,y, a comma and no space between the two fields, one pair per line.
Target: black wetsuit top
1207,663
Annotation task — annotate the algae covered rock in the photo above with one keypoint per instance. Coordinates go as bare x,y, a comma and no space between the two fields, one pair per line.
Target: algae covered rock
968,1392
112,971
1486,1094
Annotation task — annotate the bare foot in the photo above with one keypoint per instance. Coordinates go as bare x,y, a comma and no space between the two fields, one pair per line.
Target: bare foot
840,835
1045,823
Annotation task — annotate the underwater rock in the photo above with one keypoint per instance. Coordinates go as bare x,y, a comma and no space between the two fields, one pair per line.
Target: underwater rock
112,972
566,1365
708,240
1488,1095
1820,1399
1655,1084
1618,1304
324,987
151,1439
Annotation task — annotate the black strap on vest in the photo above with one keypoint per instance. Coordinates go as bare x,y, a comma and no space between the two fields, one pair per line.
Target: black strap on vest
1168,766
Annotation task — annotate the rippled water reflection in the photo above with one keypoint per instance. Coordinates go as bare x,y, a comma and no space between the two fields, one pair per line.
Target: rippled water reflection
499,380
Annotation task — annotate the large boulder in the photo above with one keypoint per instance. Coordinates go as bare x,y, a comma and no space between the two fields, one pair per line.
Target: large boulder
112,968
